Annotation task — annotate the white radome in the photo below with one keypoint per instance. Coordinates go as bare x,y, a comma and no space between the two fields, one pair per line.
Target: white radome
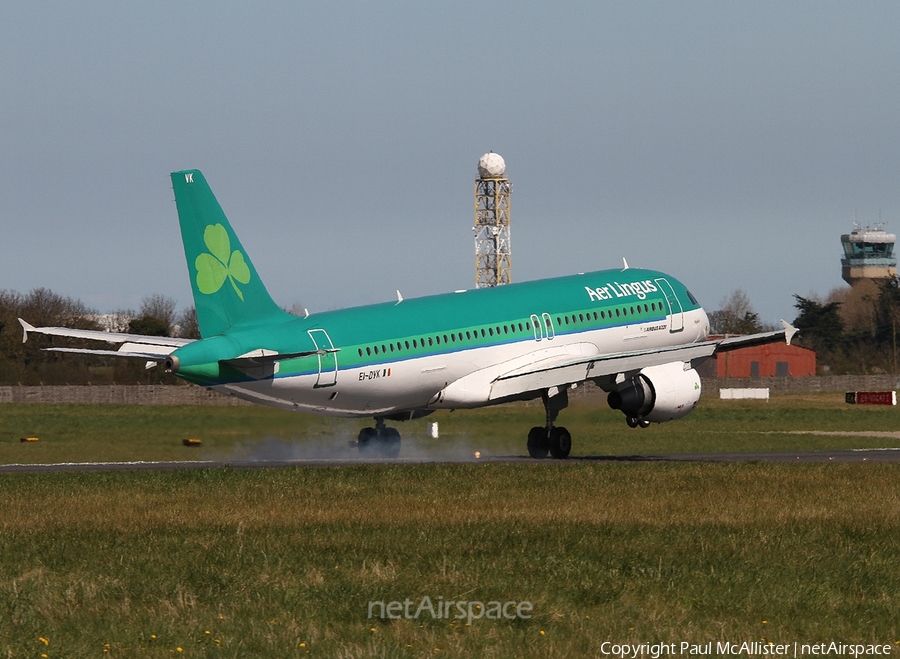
491,165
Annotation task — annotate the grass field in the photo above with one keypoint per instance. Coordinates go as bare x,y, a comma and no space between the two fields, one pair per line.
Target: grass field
75,433
246,563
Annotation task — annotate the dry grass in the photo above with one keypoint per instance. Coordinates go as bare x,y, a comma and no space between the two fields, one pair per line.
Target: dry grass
281,562
690,494
266,560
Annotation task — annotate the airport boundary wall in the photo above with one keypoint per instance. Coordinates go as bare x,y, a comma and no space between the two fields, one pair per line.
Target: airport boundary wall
842,383
155,394
885,382
192,395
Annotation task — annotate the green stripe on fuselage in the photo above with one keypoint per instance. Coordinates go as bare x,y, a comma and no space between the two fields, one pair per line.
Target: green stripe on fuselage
391,326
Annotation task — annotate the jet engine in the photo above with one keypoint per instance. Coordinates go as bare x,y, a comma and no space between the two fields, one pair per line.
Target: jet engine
658,393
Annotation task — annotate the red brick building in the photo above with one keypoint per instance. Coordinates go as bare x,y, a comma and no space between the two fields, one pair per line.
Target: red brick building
772,360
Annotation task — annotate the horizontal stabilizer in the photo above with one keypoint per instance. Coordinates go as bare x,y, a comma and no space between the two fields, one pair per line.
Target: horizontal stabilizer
265,357
108,337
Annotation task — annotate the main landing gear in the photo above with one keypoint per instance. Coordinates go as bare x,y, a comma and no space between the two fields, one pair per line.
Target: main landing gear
553,439
379,442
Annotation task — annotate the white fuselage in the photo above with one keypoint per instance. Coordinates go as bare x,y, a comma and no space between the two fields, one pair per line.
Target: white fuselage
457,379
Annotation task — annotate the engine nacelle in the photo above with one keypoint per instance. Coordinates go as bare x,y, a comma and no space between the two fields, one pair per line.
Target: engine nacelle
658,393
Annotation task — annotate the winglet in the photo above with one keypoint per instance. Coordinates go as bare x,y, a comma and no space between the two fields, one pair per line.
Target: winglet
26,327
624,264
399,297
789,331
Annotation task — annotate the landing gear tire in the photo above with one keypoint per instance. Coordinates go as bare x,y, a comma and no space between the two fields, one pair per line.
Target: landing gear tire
367,442
390,443
643,423
537,442
379,443
560,443
632,421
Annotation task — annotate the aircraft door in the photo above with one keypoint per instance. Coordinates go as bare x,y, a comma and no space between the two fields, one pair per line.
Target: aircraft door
675,309
328,365
536,326
548,326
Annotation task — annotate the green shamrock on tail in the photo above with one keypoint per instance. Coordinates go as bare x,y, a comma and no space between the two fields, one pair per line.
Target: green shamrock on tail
221,263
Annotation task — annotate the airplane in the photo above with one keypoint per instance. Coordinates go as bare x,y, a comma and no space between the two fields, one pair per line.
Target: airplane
637,334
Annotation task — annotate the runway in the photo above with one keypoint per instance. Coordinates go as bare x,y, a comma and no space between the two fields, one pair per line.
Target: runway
879,455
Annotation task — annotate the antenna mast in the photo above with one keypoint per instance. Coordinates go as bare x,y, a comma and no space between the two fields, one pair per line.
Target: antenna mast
493,254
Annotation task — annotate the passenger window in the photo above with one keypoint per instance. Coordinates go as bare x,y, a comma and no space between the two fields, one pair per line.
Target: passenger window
506,329
383,349
527,327
468,335
360,352
617,313
429,341
368,351
376,350
452,338
445,339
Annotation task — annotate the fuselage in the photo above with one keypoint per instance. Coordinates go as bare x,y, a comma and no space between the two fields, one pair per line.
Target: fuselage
445,351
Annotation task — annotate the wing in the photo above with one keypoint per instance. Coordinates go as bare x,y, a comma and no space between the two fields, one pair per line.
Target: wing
612,368
131,346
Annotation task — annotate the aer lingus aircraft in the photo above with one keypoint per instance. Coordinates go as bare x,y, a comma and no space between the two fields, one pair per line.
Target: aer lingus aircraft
638,334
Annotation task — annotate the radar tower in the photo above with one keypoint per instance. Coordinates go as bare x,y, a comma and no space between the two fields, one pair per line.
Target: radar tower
493,254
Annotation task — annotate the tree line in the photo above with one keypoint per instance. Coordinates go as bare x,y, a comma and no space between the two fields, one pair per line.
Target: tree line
853,330
28,364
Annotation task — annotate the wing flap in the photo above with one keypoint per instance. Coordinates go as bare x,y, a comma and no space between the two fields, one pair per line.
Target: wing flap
534,379
735,342
542,375
146,356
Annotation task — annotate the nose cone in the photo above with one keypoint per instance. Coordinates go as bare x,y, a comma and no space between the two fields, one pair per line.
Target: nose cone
703,326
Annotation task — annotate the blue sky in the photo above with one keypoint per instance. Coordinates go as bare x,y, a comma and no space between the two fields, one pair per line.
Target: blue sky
729,144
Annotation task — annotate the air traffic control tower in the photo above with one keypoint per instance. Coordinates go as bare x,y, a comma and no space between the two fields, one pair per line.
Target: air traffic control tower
868,254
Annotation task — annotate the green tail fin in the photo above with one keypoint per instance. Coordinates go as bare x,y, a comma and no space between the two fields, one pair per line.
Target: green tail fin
227,289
